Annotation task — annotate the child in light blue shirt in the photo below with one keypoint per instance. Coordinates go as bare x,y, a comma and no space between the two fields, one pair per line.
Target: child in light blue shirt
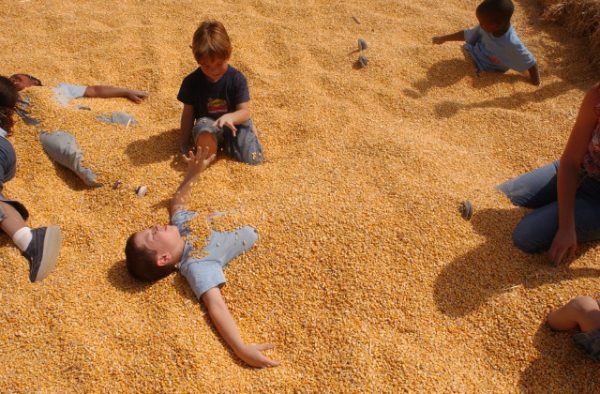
493,45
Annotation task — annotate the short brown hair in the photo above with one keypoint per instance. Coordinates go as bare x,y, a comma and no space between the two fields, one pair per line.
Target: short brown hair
211,39
141,262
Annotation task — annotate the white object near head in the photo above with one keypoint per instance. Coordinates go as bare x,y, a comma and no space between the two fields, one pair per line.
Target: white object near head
141,191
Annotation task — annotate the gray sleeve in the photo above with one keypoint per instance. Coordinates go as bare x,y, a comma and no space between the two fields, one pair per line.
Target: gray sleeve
202,275
64,92
62,147
472,35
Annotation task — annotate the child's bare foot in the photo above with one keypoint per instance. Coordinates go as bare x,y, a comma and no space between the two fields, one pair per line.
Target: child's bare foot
137,96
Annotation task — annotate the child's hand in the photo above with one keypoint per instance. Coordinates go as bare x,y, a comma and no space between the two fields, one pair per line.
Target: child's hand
137,96
437,40
251,355
226,120
199,161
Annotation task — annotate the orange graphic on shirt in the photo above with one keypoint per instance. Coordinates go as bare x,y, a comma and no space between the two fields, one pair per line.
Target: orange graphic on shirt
216,105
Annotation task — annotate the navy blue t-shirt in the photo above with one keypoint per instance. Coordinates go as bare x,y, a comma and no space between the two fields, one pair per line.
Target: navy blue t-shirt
214,99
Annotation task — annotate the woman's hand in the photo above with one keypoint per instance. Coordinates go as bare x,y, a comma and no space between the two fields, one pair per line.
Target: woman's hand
563,246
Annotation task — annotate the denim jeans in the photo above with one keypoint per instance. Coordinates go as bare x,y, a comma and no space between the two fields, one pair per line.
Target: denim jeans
538,190
243,147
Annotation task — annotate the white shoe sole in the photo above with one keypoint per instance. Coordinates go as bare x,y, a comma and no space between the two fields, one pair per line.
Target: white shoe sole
52,241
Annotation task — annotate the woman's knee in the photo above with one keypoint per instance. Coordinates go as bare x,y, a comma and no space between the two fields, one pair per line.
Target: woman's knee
527,239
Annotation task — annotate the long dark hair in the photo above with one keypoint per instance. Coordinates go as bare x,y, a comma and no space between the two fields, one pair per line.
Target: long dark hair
8,100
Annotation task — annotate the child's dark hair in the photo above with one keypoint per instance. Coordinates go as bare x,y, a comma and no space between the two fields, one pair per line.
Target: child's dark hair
211,39
141,262
8,100
498,11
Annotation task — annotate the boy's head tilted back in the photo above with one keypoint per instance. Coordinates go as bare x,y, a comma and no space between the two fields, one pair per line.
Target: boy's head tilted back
495,15
22,81
211,41
151,254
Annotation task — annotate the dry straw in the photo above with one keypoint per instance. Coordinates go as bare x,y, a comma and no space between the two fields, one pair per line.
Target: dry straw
580,17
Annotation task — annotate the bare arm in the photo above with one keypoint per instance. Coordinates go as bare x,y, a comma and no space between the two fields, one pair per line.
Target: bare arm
534,75
240,115
458,36
101,91
197,163
187,123
565,241
223,321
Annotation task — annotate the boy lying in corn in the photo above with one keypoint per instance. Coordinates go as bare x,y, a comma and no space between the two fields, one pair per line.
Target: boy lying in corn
156,252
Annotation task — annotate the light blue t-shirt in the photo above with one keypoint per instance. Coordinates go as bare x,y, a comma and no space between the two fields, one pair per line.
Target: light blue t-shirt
65,92
492,53
205,272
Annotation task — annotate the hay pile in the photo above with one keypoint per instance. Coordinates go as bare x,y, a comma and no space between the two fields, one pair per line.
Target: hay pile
365,276
581,18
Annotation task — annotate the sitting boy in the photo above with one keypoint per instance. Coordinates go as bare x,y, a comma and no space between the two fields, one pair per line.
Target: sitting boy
493,45
583,313
156,252
66,92
215,100
39,245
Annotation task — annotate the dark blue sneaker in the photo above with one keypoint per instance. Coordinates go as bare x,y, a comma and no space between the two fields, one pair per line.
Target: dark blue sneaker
42,251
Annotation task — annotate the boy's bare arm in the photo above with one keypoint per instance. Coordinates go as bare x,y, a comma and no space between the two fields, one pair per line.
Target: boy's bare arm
534,75
187,123
458,36
197,163
223,321
137,96
240,115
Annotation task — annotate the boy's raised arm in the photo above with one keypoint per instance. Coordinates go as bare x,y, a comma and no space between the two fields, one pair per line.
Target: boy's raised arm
223,321
197,162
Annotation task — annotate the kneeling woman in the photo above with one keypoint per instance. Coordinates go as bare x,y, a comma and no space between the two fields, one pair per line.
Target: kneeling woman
565,195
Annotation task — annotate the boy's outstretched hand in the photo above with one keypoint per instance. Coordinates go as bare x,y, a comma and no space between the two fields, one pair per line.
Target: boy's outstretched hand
251,355
137,96
198,162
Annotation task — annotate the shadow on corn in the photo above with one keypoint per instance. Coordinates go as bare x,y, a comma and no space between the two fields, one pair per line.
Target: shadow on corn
448,72
447,109
496,266
560,368
154,149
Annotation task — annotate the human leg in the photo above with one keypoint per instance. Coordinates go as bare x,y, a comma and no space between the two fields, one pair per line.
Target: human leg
536,231
581,311
245,146
533,189
206,135
40,246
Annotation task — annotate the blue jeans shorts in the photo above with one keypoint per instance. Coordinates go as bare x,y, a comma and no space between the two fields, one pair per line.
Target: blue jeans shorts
244,147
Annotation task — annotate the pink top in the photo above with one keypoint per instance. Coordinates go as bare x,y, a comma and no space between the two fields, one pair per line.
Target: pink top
591,160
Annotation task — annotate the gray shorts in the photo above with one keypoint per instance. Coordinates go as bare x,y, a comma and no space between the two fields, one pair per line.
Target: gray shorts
244,147
589,342
8,168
